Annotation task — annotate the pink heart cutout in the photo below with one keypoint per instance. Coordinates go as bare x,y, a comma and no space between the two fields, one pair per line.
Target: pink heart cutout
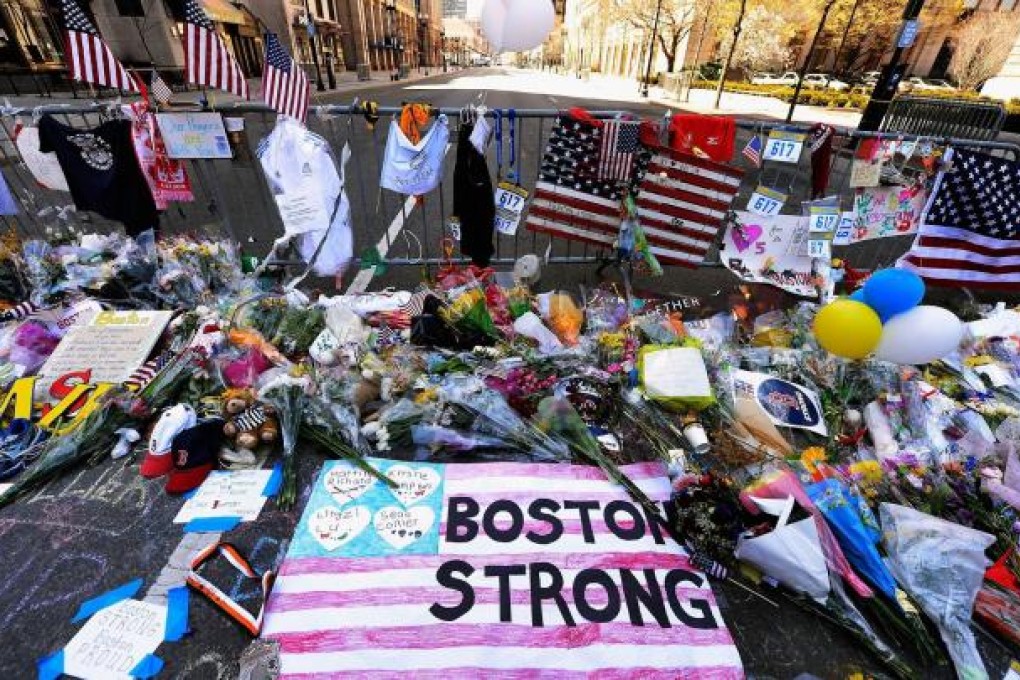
745,238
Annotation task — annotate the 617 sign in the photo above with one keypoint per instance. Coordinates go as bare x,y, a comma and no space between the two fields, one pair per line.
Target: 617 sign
510,200
784,147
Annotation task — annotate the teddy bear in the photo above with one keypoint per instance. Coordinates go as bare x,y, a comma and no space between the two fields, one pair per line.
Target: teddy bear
248,422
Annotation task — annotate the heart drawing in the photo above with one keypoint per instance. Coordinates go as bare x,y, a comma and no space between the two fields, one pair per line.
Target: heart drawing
333,528
346,484
744,237
401,527
414,483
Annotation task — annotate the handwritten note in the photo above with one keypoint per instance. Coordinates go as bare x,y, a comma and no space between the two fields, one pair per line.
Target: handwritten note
114,640
676,372
235,493
113,345
194,135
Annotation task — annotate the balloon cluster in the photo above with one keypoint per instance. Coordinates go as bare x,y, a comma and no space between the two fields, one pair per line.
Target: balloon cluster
886,318
517,25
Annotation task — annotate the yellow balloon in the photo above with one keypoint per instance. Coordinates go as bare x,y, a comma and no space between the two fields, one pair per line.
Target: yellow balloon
848,328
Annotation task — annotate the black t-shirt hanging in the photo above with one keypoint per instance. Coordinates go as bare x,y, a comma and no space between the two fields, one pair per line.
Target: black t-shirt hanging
473,200
102,171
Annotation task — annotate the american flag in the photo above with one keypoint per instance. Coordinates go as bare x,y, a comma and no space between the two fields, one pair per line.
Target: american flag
681,203
970,229
207,61
616,153
89,58
284,83
752,151
571,201
161,92
144,374
361,594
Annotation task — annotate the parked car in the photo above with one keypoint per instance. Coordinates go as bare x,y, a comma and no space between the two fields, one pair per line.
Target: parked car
871,78
789,78
918,84
823,81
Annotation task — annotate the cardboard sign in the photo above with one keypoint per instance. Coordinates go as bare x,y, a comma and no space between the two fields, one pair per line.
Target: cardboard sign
771,250
194,135
787,404
784,147
510,202
227,493
112,346
541,567
887,211
766,202
114,640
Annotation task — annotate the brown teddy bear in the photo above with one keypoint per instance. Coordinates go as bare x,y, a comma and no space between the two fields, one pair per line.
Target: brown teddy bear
248,422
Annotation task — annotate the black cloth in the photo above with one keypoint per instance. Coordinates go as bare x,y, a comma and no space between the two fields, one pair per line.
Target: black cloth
102,171
474,202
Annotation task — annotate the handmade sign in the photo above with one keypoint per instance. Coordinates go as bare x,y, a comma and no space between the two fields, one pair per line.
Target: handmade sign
771,250
786,403
233,493
194,135
887,211
115,641
491,569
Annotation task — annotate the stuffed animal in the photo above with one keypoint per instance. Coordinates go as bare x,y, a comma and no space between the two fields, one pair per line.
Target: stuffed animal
248,422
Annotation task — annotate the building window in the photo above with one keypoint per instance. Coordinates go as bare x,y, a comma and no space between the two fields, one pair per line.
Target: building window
130,8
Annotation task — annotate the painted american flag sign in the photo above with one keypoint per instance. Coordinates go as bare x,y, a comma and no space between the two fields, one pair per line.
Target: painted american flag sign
502,570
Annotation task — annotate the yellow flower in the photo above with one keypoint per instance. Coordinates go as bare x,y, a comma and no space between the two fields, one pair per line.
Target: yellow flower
812,456
426,396
870,471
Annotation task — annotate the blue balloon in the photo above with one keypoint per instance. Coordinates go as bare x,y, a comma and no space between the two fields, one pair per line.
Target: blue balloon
893,291
858,295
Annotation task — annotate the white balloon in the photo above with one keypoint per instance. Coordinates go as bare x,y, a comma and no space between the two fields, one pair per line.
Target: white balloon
920,335
517,25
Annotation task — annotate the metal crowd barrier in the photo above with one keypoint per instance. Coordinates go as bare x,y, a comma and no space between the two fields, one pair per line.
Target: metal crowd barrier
945,117
232,196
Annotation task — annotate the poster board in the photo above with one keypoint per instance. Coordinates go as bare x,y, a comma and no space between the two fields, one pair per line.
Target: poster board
479,570
772,250
194,135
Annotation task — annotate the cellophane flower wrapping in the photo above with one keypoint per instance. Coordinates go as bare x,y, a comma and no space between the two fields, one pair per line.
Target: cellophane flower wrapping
942,565
468,312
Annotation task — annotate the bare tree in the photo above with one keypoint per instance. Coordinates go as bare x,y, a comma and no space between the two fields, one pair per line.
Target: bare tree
675,20
764,43
982,44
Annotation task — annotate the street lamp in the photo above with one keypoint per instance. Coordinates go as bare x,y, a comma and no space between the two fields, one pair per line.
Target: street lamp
651,49
315,50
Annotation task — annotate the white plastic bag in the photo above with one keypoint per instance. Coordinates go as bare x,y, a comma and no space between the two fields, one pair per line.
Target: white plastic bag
414,169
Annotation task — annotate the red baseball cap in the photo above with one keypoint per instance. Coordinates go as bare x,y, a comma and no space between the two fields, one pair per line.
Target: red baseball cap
158,461
194,455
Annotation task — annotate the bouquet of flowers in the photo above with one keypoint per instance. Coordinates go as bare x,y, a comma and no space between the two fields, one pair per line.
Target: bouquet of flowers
287,393
467,311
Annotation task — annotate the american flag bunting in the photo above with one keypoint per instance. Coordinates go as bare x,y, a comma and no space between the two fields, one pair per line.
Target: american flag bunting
160,91
89,58
752,151
285,86
207,61
970,229
618,147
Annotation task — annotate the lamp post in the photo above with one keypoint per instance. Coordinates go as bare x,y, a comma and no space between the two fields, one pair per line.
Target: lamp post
809,58
310,25
889,81
651,49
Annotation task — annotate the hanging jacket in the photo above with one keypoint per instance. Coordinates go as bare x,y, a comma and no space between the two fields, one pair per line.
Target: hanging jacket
473,200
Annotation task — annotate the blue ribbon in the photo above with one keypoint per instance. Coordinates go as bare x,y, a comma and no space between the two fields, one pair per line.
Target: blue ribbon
149,666
498,129
51,667
211,524
275,481
90,607
512,175
176,614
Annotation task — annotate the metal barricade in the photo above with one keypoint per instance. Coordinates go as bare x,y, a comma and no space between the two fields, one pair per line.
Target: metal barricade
233,196
938,117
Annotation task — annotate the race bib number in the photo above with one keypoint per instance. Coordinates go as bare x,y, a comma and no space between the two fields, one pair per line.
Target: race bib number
784,147
845,230
820,247
766,202
823,219
510,202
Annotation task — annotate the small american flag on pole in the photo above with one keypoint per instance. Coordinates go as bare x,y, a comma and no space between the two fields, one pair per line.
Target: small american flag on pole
682,201
970,229
207,61
752,151
89,58
285,86
616,153
161,92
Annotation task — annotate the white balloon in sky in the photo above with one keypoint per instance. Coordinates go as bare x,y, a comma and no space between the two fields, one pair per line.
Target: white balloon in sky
517,25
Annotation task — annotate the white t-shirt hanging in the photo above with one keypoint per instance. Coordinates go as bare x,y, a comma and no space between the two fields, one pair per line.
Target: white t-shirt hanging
306,185
414,169
45,167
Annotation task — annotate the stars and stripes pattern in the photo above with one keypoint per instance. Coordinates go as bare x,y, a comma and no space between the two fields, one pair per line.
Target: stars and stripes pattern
415,306
970,229
144,374
355,611
616,152
207,61
752,151
285,86
682,203
158,88
19,311
89,58
571,201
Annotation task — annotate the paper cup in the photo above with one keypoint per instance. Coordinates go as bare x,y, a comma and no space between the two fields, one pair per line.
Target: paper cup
697,438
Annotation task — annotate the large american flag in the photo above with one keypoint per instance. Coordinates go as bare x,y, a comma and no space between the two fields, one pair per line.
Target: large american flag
207,62
617,150
970,229
89,58
571,200
285,86
340,609
682,201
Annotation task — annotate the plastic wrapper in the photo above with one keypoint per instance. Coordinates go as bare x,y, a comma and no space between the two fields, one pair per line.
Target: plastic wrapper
468,312
32,344
563,316
942,566
675,377
518,301
45,273
604,311
531,326
438,437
